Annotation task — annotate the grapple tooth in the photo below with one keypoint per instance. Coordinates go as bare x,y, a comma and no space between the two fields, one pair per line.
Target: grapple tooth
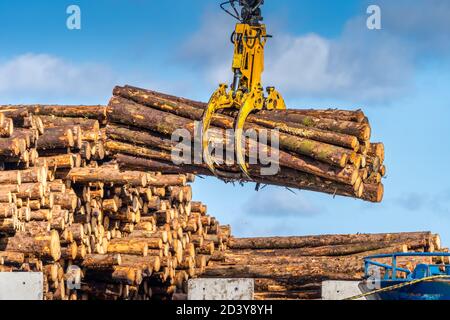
206,121
274,100
219,100
244,112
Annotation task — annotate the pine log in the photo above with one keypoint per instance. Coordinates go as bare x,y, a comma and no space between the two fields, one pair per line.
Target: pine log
377,149
301,272
89,175
360,130
100,261
69,252
145,138
41,215
323,240
12,258
56,138
6,127
92,112
288,295
45,246
344,115
10,147
32,191
66,200
123,246
373,192
10,177
6,196
119,274
299,256
86,124
96,288
34,175
149,264
59,161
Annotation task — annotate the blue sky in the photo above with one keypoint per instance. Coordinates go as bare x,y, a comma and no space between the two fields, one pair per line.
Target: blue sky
322,56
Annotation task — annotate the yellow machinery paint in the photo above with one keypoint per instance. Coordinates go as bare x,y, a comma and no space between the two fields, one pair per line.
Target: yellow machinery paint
246,93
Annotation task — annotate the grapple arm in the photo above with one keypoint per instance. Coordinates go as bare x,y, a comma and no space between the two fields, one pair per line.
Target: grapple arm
246,94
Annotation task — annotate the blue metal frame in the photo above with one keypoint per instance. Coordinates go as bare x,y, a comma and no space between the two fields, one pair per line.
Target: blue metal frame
393,269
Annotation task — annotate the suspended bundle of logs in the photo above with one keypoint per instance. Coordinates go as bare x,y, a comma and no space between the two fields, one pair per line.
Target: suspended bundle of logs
294,267
325,151
66,209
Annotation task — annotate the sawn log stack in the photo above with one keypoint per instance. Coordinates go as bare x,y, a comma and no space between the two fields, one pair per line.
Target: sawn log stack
95,231
89,194
294,267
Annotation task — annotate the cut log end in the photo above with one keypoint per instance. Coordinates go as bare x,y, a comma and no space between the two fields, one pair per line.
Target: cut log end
373,192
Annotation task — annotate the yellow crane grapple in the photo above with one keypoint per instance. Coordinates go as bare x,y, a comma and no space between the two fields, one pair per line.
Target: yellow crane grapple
246,93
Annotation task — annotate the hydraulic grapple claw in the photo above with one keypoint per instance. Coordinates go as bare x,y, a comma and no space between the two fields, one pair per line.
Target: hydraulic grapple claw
205,139
253,101
219,100
239,140
246,94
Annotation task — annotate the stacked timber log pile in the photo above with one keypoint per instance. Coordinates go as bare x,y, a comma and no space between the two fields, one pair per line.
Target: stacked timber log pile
91,192
67,210
293,268
320,150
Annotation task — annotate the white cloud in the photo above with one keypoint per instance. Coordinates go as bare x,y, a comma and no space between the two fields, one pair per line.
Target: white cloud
438,202
355,66
303,64
37,77
277,202
45,78
209,50
425,23
360,65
